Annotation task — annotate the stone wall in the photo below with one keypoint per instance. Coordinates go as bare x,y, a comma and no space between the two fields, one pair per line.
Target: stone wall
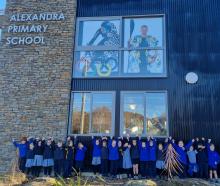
35,80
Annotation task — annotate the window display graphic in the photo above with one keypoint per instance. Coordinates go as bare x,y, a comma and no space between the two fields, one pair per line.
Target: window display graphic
99,33
143,33
96,64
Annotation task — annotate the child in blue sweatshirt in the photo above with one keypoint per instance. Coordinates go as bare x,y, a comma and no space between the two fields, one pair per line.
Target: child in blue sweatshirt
127,165
58,159
213,161
151,163
22,148
80,156
144,157
181,151
48,161
96,155
193,166
30,159
113,157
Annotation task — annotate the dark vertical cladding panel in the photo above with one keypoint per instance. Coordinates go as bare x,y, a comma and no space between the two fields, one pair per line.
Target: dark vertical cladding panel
193,37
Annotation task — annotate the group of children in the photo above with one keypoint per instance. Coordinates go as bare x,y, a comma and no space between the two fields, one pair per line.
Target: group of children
137,157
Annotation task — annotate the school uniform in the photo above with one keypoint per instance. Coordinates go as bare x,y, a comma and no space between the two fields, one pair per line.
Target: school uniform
38,158
151,163
213,160
144,157
96,156
127,165
79,158
22,148
58,160
113,158
68,161
182,158
160,162
202,159
193,167
104,161
120,161
135,154
30,161
48,161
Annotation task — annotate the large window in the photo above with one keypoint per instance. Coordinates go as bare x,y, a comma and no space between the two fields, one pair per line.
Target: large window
2,7
144,113
120,47
92,113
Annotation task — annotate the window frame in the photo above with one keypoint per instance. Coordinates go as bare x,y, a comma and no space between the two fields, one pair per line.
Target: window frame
121,48
144,134
70,124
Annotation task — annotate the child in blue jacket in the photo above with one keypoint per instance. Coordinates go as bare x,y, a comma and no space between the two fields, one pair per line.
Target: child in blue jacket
22,148
151,163
96,155
58,159
181,151
113,157
144,157
213,161
48,161
80,156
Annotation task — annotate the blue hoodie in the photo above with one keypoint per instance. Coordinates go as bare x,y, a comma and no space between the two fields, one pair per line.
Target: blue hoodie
144,152
182,152
22,149
152,151
113,151
213,158
96,149
80,154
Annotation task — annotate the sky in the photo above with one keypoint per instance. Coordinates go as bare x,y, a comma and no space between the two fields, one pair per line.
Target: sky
2,4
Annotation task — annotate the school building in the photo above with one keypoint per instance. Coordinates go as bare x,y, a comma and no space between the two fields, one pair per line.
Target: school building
108,67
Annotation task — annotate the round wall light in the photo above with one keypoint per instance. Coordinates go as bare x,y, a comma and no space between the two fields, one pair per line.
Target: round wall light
191,77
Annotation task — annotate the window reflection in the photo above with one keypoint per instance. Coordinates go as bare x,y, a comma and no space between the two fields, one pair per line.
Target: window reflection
133,109
81,113
102,113
92,113
156,116
149,107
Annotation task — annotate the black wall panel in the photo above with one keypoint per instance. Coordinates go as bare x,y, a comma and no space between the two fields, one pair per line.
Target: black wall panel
193,44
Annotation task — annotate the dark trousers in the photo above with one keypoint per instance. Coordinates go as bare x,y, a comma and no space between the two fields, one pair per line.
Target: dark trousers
203,170
30,170
21,164
67,168
96,169
47,171
143,168
151,169
58,165
37,170
113,167
79,166
104,167
182,174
